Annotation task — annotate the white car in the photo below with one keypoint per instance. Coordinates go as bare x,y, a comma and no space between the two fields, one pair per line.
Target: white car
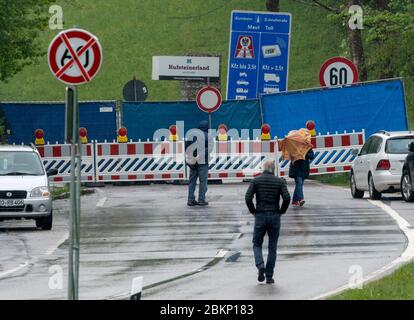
24,186
378,166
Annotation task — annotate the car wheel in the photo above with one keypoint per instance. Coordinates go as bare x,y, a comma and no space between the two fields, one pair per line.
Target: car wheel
356,193
45,223
406,187
373,193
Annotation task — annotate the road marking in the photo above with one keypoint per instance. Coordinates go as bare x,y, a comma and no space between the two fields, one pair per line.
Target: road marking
221,253
218,257
405,257
102,200
11,271
58,244
237,236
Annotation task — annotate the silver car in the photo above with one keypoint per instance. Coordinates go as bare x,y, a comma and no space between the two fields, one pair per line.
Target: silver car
24,186
378,167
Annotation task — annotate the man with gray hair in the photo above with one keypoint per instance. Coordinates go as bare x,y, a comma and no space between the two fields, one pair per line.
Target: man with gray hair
268,189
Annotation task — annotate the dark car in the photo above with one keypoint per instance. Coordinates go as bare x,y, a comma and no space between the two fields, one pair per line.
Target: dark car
407,187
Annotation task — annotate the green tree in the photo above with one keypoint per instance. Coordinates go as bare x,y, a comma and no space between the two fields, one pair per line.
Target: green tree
389,39
20,24
384,48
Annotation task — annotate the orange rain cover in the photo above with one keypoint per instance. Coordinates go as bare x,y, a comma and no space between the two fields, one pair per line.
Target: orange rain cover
296,145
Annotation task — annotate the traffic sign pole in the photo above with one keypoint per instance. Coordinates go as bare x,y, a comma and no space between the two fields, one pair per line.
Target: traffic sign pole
74,218
209,114
74,57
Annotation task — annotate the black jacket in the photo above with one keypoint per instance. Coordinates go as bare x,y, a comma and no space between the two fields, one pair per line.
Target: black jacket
301,168
208,143
268,190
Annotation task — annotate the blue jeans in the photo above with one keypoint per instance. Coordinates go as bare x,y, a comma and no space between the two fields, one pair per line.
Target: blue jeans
200,172
266,222
298,193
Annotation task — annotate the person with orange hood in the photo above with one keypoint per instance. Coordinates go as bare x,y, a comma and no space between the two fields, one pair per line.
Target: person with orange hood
297,148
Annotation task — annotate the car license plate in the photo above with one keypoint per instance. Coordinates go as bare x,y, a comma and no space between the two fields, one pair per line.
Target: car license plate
11,203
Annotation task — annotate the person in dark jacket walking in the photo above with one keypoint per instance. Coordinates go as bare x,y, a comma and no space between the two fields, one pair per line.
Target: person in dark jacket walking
199,168
299,170
268,189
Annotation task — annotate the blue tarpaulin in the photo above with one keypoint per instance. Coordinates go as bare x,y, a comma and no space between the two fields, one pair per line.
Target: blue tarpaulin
370,106
99,118
143,119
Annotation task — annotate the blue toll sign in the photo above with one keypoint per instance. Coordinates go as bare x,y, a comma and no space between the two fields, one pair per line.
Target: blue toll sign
259,54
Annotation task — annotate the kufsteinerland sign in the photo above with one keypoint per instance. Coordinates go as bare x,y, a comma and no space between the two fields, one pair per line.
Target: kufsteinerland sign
185,68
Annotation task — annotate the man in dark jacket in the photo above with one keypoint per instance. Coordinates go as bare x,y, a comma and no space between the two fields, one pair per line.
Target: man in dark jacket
268,189
199,168
299,170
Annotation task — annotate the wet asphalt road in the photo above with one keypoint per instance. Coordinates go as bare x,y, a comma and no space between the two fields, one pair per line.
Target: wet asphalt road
149,231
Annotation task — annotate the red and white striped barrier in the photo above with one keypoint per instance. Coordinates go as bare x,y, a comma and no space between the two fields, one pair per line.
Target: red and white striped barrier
338,140
240,159
140,161
165,160
333,153
57,156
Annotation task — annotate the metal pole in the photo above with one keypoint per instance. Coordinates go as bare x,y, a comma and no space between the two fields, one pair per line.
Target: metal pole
135,89
209,114
73,275
76,244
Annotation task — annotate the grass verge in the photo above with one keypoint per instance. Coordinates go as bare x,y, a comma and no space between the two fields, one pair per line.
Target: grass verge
397,286
60,192
338,179
63,192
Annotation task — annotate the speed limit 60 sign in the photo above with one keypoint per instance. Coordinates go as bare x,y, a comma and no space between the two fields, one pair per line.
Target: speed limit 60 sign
338,71
75,56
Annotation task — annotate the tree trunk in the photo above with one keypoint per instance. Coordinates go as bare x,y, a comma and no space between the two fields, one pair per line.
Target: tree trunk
272,5
356,47
382,4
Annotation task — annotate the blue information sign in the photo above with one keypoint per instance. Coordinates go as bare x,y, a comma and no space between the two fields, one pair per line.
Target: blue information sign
259,54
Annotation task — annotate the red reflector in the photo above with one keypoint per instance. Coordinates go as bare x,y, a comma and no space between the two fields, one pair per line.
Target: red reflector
384,165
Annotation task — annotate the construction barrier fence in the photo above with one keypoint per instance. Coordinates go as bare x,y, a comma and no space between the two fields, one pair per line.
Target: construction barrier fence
165,160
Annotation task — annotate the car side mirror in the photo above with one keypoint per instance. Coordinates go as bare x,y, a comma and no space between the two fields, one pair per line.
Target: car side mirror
52,172
355,152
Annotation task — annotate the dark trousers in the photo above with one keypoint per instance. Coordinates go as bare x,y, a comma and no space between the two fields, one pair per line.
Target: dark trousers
266,222
298,193
201,172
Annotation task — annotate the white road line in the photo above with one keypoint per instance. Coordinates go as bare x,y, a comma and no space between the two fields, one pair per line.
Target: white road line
405,257
221,253
11,271
237,236
58,244
102,200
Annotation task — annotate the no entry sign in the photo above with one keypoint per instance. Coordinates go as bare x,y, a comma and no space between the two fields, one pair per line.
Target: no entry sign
338,71
75,56
209,99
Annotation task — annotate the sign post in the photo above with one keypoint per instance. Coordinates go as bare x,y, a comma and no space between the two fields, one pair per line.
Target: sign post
74,57
258,54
